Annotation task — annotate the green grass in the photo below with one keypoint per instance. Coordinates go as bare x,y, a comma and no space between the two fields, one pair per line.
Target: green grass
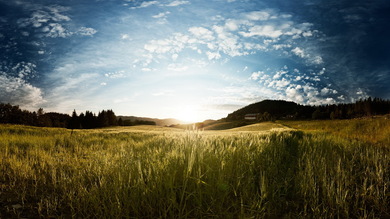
373,130
158,172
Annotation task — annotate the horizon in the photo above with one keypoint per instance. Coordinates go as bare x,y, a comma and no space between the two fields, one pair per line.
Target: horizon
190,60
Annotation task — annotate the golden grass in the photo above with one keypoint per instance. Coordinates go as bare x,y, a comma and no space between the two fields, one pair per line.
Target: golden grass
263,127
154,172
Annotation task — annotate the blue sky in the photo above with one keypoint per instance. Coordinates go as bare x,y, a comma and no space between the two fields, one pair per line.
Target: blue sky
191,60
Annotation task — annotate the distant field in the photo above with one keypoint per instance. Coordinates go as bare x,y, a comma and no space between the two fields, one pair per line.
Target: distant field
313,169
264,126
373,130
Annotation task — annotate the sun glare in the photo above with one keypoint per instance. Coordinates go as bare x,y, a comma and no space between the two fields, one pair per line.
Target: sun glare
188,114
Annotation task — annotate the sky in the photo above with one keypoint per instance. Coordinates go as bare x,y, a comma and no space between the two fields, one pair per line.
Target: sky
191,60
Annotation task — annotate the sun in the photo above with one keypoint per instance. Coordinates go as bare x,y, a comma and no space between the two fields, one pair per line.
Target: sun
188,114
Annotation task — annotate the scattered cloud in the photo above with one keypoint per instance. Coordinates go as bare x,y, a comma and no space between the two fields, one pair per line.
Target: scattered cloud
161,15
302,54
46,14
256,75
117,74
299,52
22,70
258,15
52,21
262,30
213,55
177,3
202,33
296,86
86,31
125,36
146,4
55,30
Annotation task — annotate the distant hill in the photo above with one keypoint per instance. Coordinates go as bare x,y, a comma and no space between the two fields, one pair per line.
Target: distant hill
276,108
160,122
279,109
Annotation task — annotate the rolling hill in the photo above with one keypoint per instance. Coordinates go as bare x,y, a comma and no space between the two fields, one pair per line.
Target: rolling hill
159,122
276,108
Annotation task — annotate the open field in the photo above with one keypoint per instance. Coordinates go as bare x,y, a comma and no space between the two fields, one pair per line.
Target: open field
314,169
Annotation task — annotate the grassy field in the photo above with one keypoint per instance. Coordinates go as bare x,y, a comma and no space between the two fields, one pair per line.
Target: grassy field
320,169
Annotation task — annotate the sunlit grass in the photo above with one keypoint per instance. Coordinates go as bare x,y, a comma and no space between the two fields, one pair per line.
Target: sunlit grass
373,130
169,173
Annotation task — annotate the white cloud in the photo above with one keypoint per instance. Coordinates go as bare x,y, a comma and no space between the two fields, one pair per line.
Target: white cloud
294,93
161,46
17,91
312,59
146,4
202,33
228,42
213,55
146,69
47,14
341,97
325,91
86,31
299,88
117,74
299,52
161,15
317,60
23,70
125,36
281,46
279,84
256,75
262,30
265,31
232,25
361,94
322,71
177,3
57,30
52,21
307,33
258,15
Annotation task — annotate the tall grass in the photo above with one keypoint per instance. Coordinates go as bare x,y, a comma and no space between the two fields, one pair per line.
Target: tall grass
97,174
373,130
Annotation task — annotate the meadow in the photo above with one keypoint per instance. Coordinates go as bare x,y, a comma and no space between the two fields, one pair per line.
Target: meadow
313,169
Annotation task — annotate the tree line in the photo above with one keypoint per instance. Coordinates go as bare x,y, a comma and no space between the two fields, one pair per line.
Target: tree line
269,110
89,120
361,108
10,114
